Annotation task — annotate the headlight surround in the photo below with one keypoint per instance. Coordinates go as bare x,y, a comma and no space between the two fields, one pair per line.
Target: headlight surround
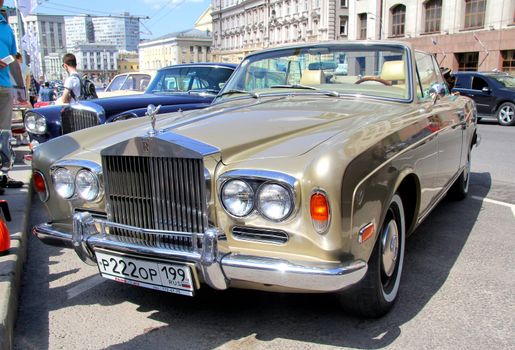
87,185
274,201
35,123
237,198
64,182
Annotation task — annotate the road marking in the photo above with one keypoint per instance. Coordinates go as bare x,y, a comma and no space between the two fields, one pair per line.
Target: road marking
84,286
493,201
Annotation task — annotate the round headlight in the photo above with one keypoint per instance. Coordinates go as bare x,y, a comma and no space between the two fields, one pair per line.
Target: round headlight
274,201
86,184
237,197
63,182
35,123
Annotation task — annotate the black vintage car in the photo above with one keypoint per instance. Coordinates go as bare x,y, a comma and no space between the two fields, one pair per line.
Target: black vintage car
493,92
179,87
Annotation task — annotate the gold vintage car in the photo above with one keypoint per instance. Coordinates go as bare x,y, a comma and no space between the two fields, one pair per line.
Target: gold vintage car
126,84
300,177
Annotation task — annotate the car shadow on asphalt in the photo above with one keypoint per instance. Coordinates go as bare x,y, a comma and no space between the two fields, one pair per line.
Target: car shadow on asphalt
239,318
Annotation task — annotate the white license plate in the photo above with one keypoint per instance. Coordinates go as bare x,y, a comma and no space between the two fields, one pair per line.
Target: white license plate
146,273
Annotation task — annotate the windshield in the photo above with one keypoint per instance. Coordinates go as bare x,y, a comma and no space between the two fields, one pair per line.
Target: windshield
137,82
189,79
372,70
506,80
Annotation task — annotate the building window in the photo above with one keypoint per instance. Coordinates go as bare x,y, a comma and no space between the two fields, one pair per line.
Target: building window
362,23
508,61
467,61
433,15
343,3
343,25
475,13
398,20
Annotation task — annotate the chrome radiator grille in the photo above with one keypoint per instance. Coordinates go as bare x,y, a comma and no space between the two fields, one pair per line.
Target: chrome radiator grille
77,119
164,194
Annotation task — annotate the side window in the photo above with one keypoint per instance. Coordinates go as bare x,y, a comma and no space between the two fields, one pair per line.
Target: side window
462,81
427,74
117,83
478,83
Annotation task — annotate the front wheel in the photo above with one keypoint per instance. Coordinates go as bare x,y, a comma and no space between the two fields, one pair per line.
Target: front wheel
460,188
506,114
376,293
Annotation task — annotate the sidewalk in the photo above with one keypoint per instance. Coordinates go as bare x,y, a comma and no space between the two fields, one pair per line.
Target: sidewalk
11,265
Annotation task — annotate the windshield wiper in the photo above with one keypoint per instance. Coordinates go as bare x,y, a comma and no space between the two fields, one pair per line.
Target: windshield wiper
236,91
305,87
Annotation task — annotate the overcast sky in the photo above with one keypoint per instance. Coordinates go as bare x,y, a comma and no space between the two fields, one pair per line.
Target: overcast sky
166,16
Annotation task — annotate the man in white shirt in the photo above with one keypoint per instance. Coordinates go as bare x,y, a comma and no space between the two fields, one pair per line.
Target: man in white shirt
73,82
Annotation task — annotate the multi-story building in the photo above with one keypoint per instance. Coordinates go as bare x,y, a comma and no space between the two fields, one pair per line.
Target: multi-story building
187,46
53,66
464,34
128,62
49,33
123,31
243,26
79,30
98,61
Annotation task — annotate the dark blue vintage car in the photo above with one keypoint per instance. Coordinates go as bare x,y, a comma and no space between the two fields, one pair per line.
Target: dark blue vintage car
179,87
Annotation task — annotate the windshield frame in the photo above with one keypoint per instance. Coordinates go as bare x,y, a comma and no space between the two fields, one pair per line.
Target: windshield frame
150,86
297,49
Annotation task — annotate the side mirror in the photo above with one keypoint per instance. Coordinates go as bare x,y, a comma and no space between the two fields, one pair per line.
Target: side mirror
486,89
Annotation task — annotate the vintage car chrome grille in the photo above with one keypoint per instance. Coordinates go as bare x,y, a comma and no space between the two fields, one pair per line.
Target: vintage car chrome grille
163,194
73,119
260,235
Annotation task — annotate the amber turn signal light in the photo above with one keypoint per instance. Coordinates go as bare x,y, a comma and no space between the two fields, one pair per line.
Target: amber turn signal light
320,213
366,232
40,185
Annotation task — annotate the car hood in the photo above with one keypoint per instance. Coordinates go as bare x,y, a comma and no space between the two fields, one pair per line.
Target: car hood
252,129
118,104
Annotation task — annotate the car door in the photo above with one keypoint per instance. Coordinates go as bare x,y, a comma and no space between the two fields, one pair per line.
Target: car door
482,94
446,121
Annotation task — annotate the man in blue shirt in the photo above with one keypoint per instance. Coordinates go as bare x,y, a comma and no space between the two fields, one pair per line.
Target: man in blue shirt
7,48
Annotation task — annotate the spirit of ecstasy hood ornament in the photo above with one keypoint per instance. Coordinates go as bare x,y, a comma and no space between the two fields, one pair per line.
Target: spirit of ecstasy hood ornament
151,112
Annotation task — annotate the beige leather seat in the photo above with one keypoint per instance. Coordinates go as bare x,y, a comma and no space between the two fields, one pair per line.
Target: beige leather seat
393,70
312,77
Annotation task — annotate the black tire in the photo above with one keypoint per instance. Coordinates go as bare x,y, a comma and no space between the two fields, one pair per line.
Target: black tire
376,293
506,114
460,188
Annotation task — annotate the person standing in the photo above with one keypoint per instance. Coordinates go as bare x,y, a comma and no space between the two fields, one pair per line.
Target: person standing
25,72
7,48
73,82
46,94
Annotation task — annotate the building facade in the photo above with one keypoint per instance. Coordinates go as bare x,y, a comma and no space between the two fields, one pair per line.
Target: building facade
128,62
463,34
189,46
123,32
79,30
49,32
97,61
243,26
53,66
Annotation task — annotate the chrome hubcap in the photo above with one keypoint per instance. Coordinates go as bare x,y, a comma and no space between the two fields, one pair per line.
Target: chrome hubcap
506,113
390,247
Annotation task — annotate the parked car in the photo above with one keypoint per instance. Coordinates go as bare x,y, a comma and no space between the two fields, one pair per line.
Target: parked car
126,84
493,92
307,184
180,87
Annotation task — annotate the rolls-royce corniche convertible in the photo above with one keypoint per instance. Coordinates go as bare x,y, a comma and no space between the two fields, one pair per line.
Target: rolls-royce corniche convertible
300,177
180,87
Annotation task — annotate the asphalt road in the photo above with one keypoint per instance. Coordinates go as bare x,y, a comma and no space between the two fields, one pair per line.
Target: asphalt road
456,292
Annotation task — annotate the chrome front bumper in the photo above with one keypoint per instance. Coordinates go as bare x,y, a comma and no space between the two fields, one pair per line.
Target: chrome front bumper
217,265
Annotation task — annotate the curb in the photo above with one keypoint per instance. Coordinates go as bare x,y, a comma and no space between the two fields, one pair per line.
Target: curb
12,270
